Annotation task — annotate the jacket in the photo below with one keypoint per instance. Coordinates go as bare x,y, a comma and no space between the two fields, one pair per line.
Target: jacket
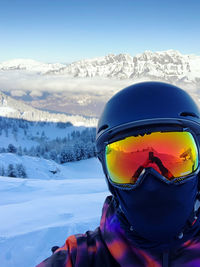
109,246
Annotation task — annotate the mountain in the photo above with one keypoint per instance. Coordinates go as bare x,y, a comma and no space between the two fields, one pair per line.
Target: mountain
170,66
11,108
83,87
29,65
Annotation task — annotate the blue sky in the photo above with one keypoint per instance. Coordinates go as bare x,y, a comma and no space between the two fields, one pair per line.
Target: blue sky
68,30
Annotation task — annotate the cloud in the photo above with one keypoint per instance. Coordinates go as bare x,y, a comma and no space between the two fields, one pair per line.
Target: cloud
18,82
36,93
18,93
21,82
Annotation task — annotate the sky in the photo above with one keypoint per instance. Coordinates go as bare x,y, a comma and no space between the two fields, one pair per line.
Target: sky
68,30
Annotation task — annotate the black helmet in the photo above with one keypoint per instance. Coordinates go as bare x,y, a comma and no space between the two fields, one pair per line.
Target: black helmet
146,104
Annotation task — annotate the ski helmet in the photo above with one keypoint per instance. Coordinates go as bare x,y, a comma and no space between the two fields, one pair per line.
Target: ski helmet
145,105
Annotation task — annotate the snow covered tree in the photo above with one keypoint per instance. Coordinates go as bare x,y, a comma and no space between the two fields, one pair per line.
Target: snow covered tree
14,131
43,136
31,151
64,156
11,148
19,151
11,172
3,150
2,171
6,131
63,125
53,155
20,171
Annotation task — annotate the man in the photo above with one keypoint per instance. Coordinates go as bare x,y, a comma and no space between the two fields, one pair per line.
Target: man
148,144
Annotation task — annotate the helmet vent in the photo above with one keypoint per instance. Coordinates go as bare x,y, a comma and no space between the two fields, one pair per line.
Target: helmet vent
103,127
185,114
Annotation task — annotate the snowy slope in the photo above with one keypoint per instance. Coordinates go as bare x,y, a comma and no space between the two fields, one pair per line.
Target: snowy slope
11,108
37,214
31,136
51,132
39,168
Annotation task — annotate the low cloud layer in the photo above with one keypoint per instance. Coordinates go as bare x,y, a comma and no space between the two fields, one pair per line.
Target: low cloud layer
67,94
20,82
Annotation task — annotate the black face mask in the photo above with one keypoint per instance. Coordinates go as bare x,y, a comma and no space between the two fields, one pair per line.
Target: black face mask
158,211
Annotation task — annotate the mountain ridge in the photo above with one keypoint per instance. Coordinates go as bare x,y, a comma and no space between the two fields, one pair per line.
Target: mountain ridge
122,66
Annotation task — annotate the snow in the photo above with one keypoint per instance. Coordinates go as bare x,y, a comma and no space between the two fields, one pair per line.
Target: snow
30,65
37,214
21,140
12,108
6,110
122,66
40,168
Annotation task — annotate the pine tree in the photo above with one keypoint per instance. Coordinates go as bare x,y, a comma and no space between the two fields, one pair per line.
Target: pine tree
53,155
2,171
20,170
19,151
12,148
11,172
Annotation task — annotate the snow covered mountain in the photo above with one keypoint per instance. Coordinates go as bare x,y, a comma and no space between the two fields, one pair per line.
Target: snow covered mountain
12,108
29,65
171,66
168,65
83,87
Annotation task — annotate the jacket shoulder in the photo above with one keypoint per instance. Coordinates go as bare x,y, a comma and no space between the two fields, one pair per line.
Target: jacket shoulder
87,249
63,256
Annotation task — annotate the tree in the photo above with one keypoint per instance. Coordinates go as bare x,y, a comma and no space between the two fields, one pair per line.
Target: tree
20,171
19,151
31,151
64,156
14,131
63,125
12,148
43,136
11,172
2,171
53,155
3,150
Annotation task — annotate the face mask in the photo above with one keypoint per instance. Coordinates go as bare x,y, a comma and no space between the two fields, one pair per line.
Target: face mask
158,211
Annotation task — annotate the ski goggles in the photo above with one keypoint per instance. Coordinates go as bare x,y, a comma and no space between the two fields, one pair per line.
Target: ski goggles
174,155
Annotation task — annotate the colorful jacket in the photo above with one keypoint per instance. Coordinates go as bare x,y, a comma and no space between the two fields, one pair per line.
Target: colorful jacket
109,246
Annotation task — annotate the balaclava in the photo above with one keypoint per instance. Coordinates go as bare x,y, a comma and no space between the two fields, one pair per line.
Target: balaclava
157,211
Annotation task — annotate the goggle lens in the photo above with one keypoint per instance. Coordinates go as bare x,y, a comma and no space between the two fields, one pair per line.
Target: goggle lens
172,154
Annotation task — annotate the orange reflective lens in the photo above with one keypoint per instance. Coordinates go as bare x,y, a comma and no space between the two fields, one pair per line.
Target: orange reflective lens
172,154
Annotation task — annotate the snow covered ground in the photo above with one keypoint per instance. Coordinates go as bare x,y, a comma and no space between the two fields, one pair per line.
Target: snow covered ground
40,212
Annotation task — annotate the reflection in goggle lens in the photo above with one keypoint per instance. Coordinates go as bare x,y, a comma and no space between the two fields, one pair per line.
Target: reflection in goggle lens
172,154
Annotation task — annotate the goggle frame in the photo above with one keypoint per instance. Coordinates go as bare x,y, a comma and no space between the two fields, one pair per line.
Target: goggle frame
141,131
